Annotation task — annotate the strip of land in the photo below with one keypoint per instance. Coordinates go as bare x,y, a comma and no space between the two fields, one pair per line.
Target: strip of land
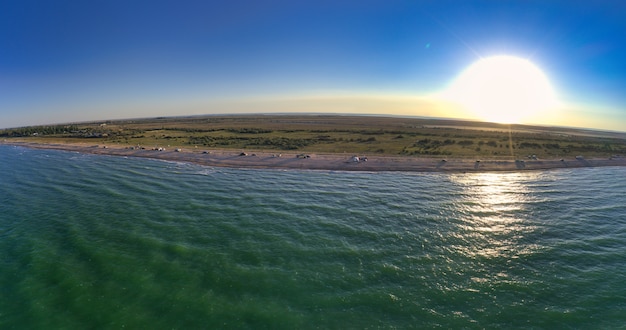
334,142
330,162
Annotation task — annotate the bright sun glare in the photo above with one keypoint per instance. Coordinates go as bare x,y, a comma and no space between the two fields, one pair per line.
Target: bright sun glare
503,89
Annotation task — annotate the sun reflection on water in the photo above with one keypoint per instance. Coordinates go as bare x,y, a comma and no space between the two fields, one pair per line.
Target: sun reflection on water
495,214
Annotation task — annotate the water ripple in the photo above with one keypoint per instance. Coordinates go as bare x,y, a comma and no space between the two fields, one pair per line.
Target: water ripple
94,241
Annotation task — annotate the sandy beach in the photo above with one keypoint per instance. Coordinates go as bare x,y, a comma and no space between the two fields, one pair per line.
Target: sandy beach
331,162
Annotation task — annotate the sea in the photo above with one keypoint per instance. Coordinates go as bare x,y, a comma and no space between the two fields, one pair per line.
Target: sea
108,242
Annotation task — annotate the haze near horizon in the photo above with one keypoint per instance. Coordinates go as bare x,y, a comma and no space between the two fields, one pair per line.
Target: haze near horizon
81,61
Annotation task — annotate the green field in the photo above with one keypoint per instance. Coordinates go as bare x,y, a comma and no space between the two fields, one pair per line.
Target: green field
336,134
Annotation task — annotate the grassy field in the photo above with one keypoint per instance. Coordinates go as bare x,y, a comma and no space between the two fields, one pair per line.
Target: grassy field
336,134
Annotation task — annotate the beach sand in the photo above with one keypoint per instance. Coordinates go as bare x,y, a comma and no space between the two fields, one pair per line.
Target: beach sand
330,162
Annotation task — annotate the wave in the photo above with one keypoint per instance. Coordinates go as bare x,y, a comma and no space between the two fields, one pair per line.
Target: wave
96,240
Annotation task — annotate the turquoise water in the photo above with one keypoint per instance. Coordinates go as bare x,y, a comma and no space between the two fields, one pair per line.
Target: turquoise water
109,242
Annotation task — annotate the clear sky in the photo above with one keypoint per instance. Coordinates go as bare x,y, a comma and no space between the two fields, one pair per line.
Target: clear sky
66,61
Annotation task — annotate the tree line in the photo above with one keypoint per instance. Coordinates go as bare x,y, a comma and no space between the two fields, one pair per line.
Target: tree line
39,130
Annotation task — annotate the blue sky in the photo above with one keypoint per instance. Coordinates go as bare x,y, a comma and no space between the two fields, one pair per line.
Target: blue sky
65,61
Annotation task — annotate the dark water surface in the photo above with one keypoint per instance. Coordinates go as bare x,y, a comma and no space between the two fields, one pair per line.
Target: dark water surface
107,242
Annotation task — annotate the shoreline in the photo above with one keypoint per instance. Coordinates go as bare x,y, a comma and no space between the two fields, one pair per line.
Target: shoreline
328,162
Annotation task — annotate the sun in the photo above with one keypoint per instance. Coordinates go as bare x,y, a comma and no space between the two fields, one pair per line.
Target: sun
503,89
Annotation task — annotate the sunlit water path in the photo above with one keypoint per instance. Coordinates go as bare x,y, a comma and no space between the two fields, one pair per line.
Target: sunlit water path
95,241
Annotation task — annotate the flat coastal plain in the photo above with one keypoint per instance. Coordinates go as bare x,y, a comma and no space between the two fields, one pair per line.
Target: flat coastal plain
335,162
338,143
